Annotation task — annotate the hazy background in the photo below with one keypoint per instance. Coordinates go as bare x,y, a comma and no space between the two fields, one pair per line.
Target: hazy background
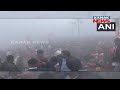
42,29
16,25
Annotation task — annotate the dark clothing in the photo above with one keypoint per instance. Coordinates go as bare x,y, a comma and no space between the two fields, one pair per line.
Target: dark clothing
72,63
42,62
50,67
0,65
43,66
6,66
43,59
59,59
116,58
116,55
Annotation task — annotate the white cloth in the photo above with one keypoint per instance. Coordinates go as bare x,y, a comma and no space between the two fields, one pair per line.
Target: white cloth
114,64
9,53
15,60
58,52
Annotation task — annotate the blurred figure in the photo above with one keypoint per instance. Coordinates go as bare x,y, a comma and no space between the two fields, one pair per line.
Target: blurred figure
99,57
51,65
68,62
33,64
0,63
0,60
40,55
9,65
41,58
20,63
116,54
2,55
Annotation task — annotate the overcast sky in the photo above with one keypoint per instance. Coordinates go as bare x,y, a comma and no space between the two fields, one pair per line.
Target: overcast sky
36,27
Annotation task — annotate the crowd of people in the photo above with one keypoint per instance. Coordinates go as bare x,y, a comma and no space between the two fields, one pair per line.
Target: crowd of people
61,61
102,59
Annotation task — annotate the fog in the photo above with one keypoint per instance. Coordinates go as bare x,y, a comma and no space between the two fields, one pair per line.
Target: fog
43,29
19,25
72,31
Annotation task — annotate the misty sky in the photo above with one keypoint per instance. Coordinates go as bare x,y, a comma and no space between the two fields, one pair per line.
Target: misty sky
20,29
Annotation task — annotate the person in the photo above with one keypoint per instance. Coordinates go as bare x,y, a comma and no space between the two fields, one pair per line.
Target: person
41,58
33,64
68,63
98,57
0,62
20,63
9,65
51,65
116,54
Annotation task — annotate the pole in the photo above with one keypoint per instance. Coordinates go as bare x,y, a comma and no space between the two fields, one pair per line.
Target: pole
117,27
78,28
72,29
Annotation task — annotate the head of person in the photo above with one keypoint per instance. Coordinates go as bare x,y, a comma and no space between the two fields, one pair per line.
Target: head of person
66,54
117,42
10,58
40,53
33,62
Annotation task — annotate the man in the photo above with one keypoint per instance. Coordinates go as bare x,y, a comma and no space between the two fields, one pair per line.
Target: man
33,64
116,54
41,58
68,62
20,63
0,62
9,65
51,65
